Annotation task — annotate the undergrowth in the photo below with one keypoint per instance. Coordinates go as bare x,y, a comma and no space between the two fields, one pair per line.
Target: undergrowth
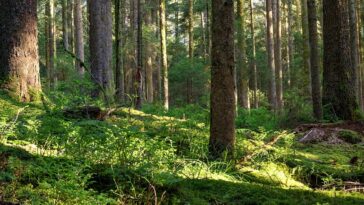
160,157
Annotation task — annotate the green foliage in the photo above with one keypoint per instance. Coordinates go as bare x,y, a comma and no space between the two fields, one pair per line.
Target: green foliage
256,119
350,136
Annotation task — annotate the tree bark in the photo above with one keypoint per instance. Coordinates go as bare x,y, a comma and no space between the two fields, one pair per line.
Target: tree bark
79,49
223,104
190,28
306,46
163,45
315,68
253,60
149,52
354,46
19,60
290,42
271,58
338,92
278,53
100,17
119,63
139,57
242,67
65,25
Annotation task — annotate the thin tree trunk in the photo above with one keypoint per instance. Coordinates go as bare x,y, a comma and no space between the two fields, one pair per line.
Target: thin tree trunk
354,46
149,56
19,60
65,25
223,104
79,49
70,20
315,68
306,45
51,45
278,54
242,67
163,38
139,57
290,42
190,28
119,64
271,58
253,60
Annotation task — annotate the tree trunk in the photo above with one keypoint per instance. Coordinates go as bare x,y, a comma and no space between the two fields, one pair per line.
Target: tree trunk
51,45
306,46
149,52
242,67
139,71
65,25
119,63
278,53
100,17
163,38
338,92
70,20
223,104
190,28
290,42
315,68
79,49
271,58
354,46
19,66
253,60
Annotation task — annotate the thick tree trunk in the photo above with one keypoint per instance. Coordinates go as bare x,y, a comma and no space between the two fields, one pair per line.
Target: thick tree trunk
338,92
271,58
223,104
119,63
242,67
79,49
100,17
253,60
315,68
164,60
19,66
354,46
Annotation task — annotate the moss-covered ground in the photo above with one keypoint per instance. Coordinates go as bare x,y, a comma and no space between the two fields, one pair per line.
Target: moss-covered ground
158,157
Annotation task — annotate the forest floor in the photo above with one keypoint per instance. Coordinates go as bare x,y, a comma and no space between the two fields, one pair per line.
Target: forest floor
158,157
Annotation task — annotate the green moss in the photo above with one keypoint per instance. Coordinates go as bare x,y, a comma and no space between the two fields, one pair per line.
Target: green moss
350,136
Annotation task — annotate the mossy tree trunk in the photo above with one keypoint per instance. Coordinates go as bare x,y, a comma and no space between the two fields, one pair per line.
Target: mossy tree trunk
19,66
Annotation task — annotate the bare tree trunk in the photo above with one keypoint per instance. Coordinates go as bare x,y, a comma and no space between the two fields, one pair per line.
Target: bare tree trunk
306,45
65,25
51,44
338,90
278,53
242,67
253,60
149,52
223,104
119,64
315,68
163,36
79,49
139,57
190,28
290,42
70,20
100,17
19,66
271,58
354,46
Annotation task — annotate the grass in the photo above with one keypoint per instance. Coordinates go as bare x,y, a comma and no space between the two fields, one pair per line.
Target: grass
137,157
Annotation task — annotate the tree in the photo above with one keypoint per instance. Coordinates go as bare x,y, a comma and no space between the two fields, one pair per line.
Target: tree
65,25
253,60
19,66
306,44
190,28
290,42
338,92
354,46
271,59
100,17
278,53
139,58
78,32
223,104
242,67
119,66
50,44
314,60
163,44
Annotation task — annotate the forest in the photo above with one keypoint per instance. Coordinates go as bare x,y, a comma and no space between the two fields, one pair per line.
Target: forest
194,102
